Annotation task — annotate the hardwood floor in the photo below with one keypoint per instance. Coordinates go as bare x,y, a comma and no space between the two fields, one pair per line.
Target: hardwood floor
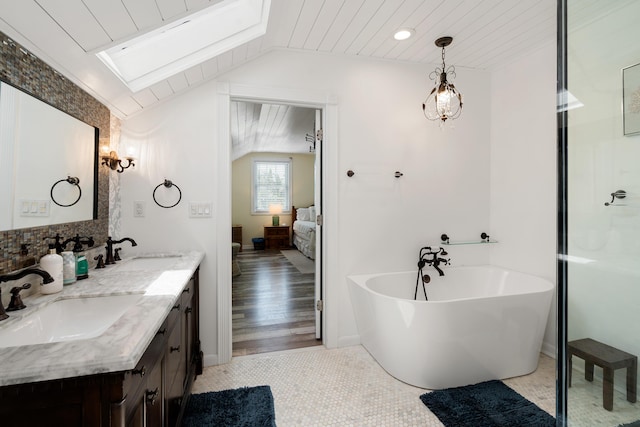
273,305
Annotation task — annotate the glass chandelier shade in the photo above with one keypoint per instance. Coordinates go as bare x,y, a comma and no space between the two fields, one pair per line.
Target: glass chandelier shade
444,101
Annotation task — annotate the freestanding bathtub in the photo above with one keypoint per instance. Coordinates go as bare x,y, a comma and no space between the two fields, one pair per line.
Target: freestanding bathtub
480,323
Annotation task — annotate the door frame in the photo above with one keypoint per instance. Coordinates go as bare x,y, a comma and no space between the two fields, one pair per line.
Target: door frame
304,98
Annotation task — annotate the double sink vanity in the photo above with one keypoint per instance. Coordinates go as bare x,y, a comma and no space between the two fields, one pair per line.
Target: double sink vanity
119,348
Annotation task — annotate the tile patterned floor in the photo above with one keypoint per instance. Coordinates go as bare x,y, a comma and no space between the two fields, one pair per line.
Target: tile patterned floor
346,387
585,403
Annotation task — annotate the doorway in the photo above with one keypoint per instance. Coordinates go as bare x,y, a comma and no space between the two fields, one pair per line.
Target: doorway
328,104
273,155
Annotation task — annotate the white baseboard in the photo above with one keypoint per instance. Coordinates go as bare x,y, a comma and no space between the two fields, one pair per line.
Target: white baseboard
549,349
348,341
210,360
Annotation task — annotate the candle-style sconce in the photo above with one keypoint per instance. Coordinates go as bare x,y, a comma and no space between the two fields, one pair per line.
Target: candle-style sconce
115,163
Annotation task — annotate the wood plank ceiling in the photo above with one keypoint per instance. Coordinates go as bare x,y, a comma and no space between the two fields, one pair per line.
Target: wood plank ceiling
67,34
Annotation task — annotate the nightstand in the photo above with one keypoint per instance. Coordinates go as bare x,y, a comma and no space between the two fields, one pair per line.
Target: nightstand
236,235
276,237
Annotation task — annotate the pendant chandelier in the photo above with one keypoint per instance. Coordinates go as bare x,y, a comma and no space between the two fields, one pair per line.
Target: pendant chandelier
444,101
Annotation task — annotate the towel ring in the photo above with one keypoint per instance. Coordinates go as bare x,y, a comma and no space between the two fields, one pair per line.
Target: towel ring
168,184
72,180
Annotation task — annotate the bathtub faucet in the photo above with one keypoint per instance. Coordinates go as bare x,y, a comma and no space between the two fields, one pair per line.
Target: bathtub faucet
436,258
431,257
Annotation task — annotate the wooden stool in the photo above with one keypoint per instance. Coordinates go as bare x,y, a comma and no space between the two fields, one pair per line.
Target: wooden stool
609,359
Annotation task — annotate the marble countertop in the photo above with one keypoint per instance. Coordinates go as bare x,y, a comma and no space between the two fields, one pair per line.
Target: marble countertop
121,346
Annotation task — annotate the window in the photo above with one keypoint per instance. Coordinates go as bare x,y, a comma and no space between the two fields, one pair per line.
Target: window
271,185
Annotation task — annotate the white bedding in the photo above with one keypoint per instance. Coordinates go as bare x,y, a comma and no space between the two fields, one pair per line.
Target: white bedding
304,237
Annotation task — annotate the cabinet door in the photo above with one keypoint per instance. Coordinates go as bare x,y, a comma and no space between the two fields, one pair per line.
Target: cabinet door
136,406
154,397
60,402
188,331
174,352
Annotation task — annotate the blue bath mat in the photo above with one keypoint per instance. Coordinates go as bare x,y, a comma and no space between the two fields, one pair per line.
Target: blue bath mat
488,404
241,407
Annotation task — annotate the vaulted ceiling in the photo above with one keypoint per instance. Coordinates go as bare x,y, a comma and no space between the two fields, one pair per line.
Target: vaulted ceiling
67,34
270,128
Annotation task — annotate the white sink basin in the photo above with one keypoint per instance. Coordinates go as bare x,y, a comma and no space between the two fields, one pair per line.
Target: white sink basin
67,320
146,263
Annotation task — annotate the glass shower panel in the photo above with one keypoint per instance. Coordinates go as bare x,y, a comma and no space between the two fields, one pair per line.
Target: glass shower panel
603,236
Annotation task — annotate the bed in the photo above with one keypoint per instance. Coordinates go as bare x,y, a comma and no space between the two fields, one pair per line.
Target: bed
304,230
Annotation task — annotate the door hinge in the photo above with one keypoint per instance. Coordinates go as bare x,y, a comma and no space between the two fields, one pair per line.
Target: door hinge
319,219
319,305
319,135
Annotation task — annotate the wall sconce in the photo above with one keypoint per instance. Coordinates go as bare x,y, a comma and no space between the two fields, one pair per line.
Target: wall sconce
115,163
444,101
275,210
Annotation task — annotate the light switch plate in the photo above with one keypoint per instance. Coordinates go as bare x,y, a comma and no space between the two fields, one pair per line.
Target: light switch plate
34,207
199,209
138,209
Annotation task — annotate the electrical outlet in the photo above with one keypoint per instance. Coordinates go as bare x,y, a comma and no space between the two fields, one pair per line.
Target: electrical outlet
138,209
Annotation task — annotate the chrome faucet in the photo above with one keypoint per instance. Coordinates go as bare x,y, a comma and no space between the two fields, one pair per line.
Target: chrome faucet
109,258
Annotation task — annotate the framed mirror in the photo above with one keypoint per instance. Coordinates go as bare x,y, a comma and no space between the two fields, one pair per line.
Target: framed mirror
48,164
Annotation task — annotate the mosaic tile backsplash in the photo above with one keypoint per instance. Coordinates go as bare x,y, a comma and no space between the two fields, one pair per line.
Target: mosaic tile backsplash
22,69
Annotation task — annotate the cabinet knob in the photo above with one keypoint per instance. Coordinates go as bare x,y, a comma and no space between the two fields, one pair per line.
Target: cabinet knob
186,290
151,396
172,349
176,307
188,310
142,371
162,331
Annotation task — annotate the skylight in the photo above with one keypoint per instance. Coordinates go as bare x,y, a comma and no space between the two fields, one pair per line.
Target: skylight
182,44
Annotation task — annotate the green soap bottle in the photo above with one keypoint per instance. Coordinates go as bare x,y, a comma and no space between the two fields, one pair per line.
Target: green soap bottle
82,267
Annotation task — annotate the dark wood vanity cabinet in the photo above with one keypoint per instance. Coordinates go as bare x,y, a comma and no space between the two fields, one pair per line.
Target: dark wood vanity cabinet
154,393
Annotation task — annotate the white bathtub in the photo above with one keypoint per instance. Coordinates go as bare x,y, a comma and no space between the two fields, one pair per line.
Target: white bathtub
480,323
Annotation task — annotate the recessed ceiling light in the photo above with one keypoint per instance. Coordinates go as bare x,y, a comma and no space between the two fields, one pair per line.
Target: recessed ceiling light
179,45
403,33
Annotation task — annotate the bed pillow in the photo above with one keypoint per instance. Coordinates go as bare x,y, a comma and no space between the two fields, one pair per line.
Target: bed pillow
302,214
312,213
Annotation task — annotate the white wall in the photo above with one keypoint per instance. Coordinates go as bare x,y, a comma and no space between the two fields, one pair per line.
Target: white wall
176,142
523,169
382,221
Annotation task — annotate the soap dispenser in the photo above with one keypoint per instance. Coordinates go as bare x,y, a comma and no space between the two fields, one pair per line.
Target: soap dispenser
52,264
82,267
68,267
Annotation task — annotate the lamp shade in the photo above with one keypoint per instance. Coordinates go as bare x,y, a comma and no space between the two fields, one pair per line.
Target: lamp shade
444,101
275,209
